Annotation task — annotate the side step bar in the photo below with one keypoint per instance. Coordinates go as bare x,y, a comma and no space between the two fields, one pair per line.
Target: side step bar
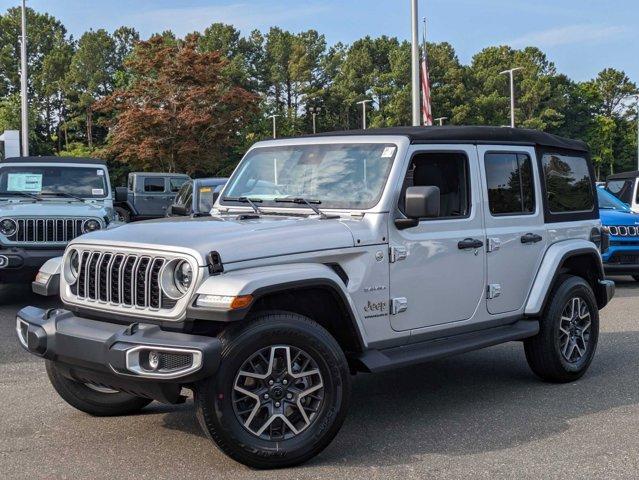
387,359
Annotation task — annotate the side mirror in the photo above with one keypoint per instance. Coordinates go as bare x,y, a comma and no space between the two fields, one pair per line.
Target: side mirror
421,202
121,194
179,210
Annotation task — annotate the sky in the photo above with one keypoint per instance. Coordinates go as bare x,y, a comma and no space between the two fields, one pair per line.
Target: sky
580,36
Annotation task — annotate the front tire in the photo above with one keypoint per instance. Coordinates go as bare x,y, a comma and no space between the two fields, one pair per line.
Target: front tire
280,395
569,331
93,399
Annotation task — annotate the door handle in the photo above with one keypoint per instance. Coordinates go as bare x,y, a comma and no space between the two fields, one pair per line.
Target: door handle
531,238
469,243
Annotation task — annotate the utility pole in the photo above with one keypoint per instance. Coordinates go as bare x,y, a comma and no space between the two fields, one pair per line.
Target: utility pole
415,63
314,111
363,103
274,116
440,120
24,107
512,93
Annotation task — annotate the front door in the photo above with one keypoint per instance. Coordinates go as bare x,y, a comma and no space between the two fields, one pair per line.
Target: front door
515,227
152,198
438,272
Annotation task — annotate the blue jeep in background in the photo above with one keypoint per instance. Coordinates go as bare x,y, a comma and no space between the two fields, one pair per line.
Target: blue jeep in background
622,224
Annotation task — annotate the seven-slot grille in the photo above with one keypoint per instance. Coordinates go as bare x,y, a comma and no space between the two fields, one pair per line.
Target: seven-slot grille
624,230
47,230
130,280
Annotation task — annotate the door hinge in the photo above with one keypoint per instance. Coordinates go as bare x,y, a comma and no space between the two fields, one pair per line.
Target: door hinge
493,244
493,291
398,305
396,254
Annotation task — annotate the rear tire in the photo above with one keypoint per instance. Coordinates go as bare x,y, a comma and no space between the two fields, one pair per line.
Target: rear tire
568,332
636,278
123,214
93,400
308,386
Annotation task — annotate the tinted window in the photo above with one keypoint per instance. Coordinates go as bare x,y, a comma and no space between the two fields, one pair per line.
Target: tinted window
184,192
449,173
205,202
568,183
622,189
510,183
176,183
153,184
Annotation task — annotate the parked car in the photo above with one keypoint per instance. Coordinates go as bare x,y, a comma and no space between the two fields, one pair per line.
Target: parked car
372,250
624,187
622,226
148,195
45,202
196,197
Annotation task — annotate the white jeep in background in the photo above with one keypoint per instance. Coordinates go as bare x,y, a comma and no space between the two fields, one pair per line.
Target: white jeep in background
45,202
324,256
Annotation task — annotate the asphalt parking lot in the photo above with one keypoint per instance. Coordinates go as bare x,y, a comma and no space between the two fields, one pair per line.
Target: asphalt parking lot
481,415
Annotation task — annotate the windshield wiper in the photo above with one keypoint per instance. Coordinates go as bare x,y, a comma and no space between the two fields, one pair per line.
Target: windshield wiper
250,201
21,194
308,203
64,194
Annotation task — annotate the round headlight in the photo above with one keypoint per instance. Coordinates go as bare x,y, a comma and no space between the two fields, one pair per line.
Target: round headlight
8,227
72,267
183,276
90,226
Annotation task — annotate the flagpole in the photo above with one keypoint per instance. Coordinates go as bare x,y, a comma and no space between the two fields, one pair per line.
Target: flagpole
415,64
24,103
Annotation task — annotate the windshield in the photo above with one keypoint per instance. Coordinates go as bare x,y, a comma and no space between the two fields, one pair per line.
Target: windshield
608,201
86,182
348,176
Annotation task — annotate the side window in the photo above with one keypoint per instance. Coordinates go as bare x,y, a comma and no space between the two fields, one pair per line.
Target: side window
176,183
153,184
569,186
509,179
449,172
622,189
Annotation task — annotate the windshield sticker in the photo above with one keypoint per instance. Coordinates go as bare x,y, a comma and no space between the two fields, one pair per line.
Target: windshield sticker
24,182
388,152
205,190
97,191
100,173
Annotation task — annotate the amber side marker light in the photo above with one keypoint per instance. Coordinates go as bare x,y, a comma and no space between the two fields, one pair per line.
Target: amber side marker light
225,302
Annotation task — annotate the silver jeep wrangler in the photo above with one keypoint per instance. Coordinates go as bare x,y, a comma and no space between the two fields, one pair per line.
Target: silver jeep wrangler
45,202
325,256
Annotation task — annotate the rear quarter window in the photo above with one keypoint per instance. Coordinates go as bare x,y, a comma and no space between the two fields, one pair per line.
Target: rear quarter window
569,185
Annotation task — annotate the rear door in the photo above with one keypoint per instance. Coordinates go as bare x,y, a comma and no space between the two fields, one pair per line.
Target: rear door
152,198
514,220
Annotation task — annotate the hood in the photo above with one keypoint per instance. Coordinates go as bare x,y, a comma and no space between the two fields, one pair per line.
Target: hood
51,209
618,217
235,240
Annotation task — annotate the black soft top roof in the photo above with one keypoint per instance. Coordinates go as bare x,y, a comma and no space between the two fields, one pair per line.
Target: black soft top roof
624,175
471,134
53,159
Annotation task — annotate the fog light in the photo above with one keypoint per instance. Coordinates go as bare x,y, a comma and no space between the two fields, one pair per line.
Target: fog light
154,360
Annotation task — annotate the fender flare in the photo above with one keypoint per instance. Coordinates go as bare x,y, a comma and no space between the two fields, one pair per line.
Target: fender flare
550,268
48,285
262,281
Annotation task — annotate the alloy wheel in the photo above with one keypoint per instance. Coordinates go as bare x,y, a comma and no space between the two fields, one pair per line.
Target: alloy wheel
574,330
278,392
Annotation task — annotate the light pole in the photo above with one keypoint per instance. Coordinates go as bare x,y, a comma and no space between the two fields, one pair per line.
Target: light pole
274,116
314,111
441,120
415,63
512,93
24,102
363,103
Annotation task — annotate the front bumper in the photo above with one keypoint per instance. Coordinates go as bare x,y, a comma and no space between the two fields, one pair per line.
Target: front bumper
119,356
621,260
18,265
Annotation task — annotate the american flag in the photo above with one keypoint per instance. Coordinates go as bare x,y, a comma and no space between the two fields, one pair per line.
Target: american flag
427,113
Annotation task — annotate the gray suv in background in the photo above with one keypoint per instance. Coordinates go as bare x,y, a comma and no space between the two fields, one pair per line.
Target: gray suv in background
148,195
45,202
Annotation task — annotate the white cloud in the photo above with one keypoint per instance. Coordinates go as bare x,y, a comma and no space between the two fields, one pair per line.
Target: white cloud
244,16
570,34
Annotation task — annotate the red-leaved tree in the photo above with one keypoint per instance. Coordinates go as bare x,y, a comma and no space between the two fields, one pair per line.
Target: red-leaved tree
178,112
